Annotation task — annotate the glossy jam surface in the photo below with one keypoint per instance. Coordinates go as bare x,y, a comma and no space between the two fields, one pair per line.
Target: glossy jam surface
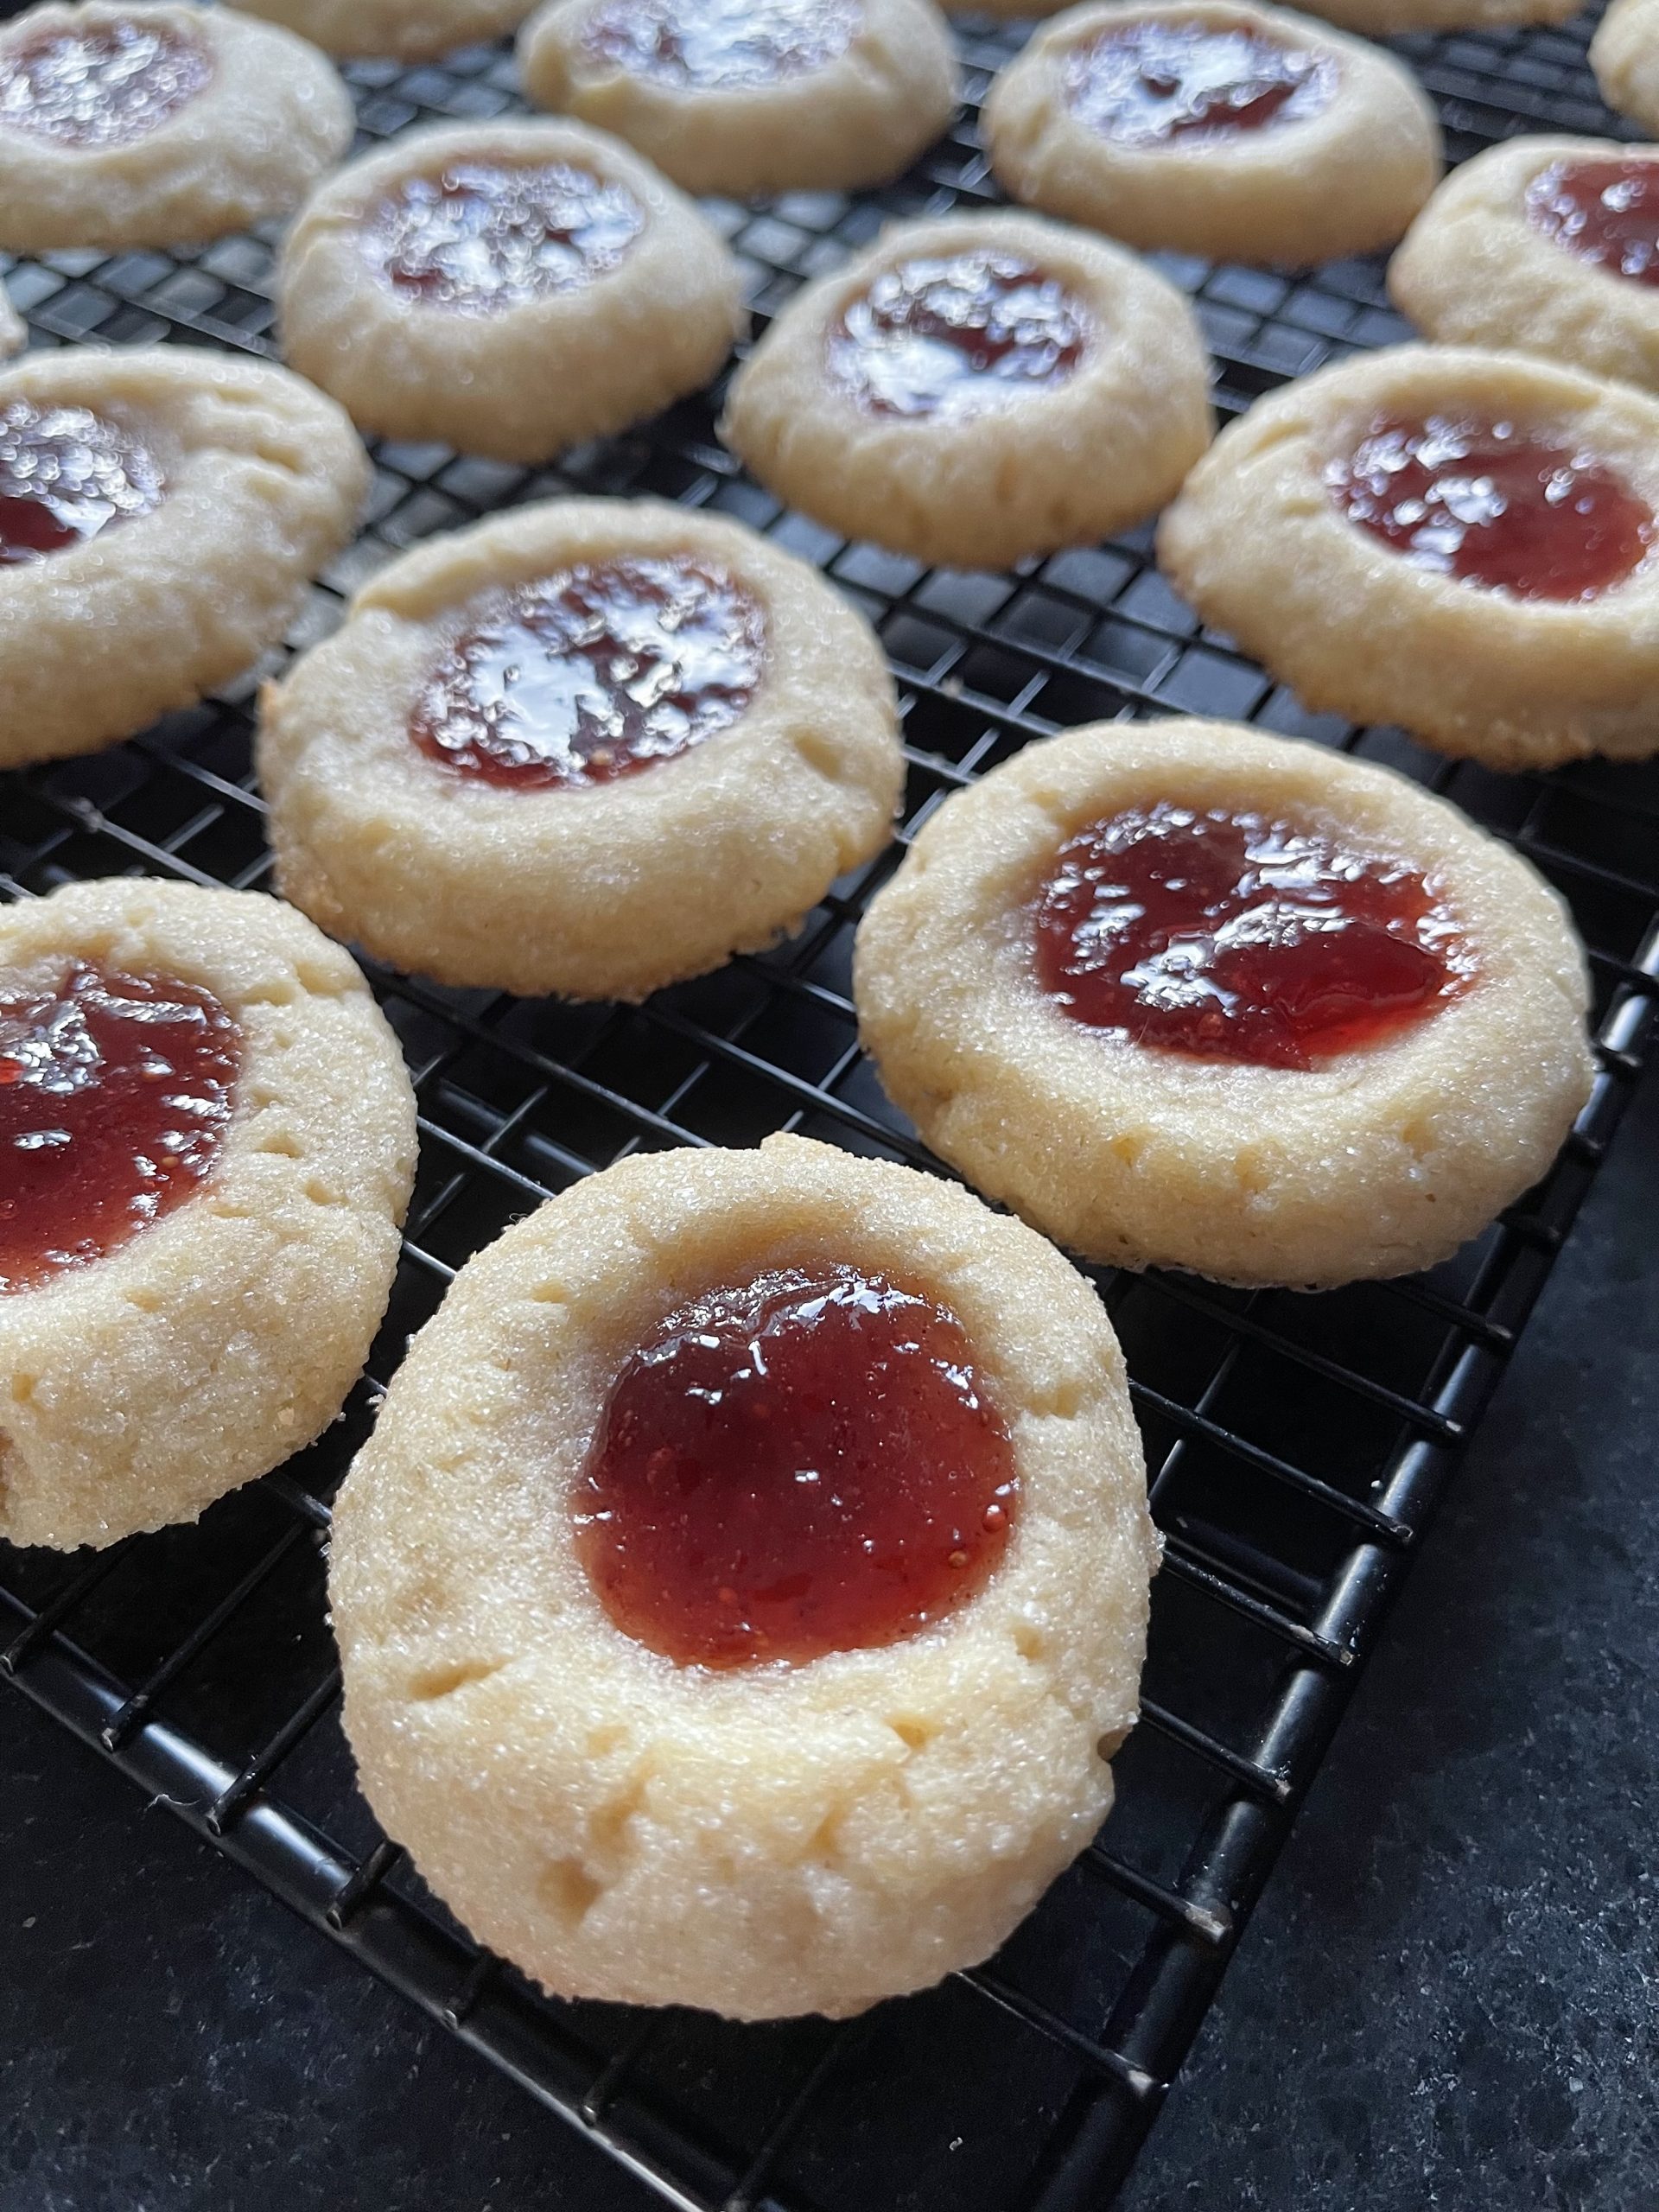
1153,84
116,1092
100,88
1492,504
801,1463
1235,936
65,474
593,673
947,335
480,237
1604,212
720,45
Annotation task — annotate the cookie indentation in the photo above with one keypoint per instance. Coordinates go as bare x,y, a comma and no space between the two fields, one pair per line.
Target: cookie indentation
945,334
66,474
1155,84
720,45
805,1463
116,1093
1605,213
481,235
103,87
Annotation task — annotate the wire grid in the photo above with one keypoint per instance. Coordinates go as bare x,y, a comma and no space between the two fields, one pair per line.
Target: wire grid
1297,1444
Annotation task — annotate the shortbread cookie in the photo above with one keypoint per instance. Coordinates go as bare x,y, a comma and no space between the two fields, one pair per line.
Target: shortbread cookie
1458,541
161,512
1550,246
1184,995
206,1143
508,288
590,747
1624,54
826,1729
1212,127
400,30
151,124
975,389
731,97
13,336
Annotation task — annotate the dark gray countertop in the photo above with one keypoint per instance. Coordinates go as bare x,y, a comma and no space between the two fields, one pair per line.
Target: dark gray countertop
1448,1998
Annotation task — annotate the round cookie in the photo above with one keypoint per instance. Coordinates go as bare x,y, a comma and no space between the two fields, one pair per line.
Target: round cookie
1521,248
975,389
13,336
1378,1158
508,288
1624,55
1213,127
460,780
728,97
1501,601
148,124
398,30
218,1302
761,1840
161,512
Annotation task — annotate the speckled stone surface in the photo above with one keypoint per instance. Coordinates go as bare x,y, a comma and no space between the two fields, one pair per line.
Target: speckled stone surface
1448,1998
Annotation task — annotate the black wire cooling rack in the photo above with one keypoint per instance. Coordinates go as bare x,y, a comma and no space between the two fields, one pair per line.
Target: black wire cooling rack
1298,1444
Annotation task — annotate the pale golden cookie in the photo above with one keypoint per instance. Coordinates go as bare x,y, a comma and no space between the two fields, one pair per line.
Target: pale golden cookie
195,496
733,97
509,288
401,30
760,1840
1259,543
210,1344
1375,1162
1624,54
1094,123
977,389
155,123
1485,264
763,714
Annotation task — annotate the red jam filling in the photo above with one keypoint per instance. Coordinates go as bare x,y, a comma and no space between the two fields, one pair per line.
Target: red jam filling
1235,936
801,1464
1492,504
65,474
1149,83
116,1092
1604,212
100,88
950,334
480,236
720,45
593,673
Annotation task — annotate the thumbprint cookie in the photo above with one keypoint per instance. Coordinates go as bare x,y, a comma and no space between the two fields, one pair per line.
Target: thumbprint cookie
396,30
206,1143
590,747
148,125
1624,54
1212,127
1457,540
1549,246
746,1584
750,96
1184,995
161,512
975,389
507,287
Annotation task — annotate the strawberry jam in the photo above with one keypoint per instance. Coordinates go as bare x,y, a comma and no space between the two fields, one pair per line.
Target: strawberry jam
1492,504
116,1092
1604,212
480,237
801,1463
1236,937
719,45
101,87
946,334
1151,84
65,474
593,673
